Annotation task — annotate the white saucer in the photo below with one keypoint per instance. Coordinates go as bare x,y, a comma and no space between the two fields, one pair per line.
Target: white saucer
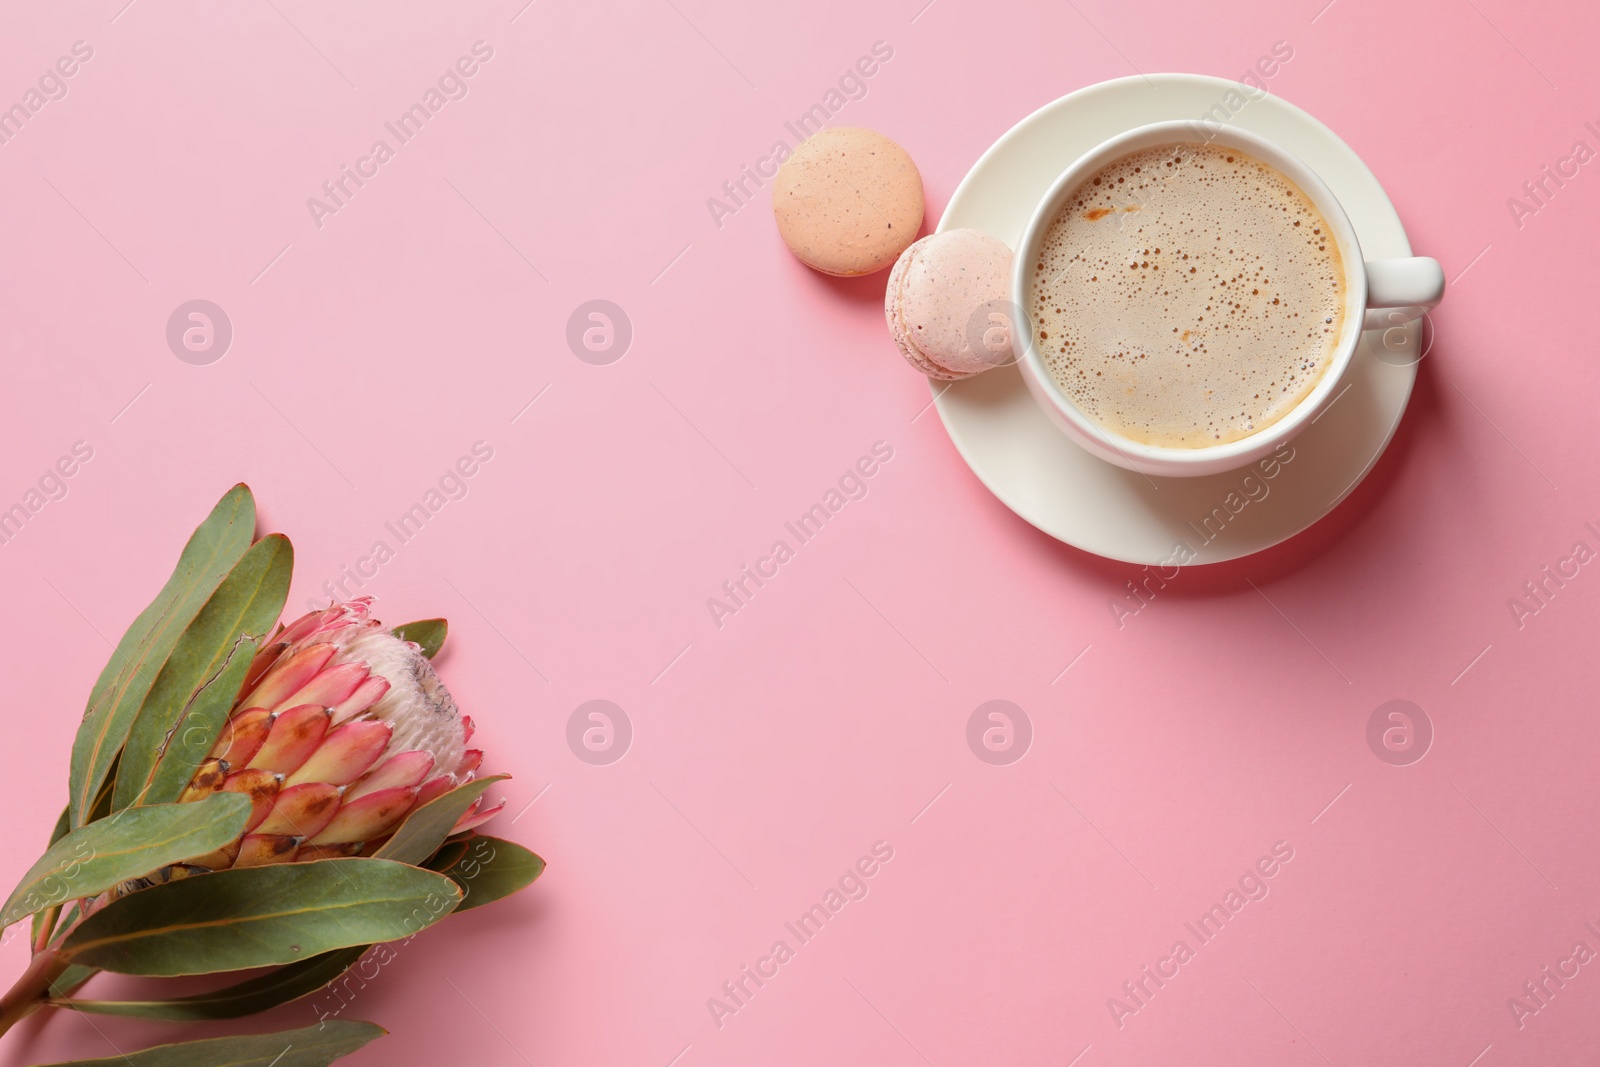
1038,473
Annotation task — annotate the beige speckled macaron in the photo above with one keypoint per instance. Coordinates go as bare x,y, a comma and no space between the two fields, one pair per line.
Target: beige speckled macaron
848,201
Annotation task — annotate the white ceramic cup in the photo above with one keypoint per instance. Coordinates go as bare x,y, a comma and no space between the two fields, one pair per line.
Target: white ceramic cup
1406,287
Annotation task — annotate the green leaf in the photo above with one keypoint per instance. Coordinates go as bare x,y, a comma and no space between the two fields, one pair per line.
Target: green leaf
492,868
313,1046
122,687
186,708
125,845
63,825
448,854
102,801
46,916
70,979
246,998
429,633
194,692
260,916
426,828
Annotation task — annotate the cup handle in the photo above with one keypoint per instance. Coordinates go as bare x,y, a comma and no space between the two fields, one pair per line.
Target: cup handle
1402,289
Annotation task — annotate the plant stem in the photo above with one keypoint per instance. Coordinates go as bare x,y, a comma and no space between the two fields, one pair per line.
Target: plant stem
31,989
46,928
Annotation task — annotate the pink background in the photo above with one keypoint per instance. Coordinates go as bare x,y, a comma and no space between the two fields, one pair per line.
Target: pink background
825,716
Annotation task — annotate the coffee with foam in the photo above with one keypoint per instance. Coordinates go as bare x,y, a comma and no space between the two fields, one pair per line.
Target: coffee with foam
1187,295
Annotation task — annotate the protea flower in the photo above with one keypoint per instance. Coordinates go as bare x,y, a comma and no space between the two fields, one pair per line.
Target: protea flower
341,729
331,738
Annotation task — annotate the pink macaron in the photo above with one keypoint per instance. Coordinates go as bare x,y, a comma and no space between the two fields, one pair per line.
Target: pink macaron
948,304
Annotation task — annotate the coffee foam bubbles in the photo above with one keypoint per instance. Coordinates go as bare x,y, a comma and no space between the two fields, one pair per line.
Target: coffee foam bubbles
1187,295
